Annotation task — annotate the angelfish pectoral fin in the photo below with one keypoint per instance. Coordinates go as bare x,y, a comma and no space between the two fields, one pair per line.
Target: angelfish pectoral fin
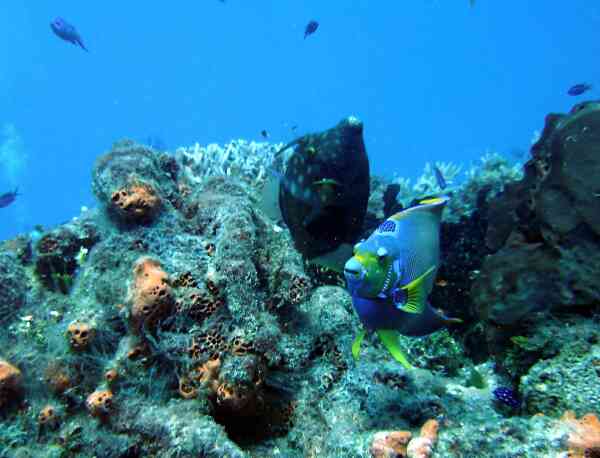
357,343
416,293
389,338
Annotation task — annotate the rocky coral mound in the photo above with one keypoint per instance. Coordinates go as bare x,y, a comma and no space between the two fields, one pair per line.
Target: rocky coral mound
178,320
13,291
545,229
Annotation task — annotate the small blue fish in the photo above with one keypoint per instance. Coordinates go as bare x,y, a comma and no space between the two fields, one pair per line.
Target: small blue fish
311,28
8,198
507,396
439,177
67,32
579,89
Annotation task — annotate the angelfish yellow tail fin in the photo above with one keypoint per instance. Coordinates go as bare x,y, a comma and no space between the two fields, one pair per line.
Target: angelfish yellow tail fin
357,343
389,338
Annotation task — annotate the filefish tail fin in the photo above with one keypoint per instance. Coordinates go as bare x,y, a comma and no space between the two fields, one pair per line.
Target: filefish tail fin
389,338
357,343
416,293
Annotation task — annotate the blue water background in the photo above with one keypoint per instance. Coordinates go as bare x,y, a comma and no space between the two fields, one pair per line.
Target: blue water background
433,80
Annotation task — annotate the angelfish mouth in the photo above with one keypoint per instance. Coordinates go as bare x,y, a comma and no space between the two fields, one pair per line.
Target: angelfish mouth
353,278
352,273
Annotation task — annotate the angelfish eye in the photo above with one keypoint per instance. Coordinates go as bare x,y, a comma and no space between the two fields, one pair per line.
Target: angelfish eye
381,253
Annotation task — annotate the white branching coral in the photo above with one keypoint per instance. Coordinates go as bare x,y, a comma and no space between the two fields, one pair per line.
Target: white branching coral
249,161
428,183
491,173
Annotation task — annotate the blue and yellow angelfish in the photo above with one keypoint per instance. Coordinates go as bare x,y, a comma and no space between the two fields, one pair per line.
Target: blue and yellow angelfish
391,275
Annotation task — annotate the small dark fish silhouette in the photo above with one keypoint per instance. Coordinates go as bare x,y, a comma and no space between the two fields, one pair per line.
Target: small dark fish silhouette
264,133
67,32
439,177
579,89
8,198
311,28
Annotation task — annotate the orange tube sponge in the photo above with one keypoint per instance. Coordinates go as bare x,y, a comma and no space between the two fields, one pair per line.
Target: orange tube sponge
136,203
100,403
152,296
80,335
11,382
584,439
422,446
390,444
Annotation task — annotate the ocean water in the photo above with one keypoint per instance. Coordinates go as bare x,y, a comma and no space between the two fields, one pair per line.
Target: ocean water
432,80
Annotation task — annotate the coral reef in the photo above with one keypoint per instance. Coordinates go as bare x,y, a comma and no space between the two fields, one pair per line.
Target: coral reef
565,377
14,287
544,230
178,320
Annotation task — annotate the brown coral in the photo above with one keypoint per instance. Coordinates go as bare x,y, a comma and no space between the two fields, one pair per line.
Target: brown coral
11,382
136,203
584,438
240,347
80,335
152,297
185,280
100,403
390,444
210,343
203,305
